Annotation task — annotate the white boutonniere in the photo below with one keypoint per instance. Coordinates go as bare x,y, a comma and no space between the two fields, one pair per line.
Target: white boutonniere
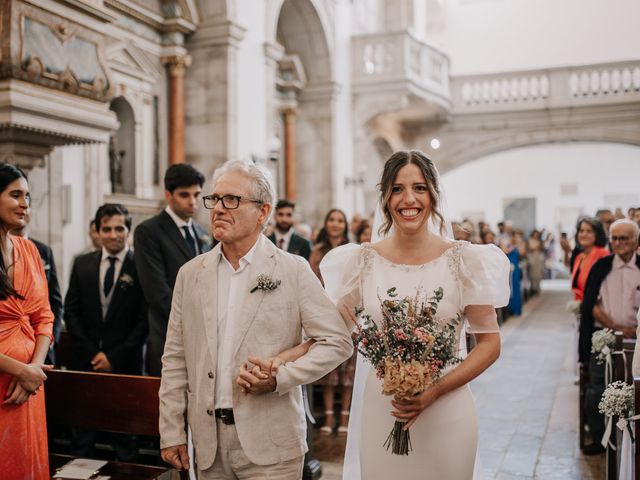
205,240
126,281
266,283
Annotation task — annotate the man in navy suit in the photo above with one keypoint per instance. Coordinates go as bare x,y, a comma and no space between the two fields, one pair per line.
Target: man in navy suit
163,244
283,235
106,315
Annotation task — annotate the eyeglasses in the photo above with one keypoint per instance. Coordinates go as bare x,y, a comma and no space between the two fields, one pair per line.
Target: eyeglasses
621,238
230,202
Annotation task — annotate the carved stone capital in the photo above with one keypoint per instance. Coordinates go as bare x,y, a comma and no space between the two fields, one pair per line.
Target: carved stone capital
177,64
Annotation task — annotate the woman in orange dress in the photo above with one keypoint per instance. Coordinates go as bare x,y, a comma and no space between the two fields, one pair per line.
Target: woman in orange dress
26,325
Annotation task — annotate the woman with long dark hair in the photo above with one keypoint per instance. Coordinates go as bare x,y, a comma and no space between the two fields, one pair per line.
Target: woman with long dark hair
26,325
334,232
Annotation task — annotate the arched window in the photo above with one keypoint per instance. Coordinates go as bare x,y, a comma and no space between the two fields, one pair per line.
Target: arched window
122,149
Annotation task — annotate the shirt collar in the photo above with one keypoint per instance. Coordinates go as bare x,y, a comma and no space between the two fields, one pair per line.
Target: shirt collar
619,263
176,219
246,259
120,256
286,236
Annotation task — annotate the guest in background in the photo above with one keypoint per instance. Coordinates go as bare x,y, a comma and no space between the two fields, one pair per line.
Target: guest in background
55,297
610,300
535,259
356,220
363,234
514,251
284,236
163,244
592,240
488,237
26,325
334,233
106,315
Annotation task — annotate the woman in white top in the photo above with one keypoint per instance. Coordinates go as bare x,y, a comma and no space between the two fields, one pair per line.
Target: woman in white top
414,253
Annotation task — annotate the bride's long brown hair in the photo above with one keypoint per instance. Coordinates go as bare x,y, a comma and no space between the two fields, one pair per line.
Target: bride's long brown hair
389,173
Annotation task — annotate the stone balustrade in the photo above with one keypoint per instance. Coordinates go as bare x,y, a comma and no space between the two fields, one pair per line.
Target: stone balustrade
392,60
609,83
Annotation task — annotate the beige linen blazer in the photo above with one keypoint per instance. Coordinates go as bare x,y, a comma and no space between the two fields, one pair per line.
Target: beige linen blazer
271,427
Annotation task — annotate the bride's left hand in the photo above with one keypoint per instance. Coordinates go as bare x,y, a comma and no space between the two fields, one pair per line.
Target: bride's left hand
410,409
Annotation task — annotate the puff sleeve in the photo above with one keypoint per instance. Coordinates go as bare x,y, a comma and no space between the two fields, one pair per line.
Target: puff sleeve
341,270
484,277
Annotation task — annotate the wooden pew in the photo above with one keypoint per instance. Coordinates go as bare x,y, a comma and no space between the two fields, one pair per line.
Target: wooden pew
583,380
622,361
110,403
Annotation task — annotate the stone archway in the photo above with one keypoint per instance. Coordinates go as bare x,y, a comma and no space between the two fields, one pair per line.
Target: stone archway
305,108
122,149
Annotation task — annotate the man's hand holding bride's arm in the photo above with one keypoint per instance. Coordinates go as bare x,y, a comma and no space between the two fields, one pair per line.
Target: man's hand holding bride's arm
486,351
263,369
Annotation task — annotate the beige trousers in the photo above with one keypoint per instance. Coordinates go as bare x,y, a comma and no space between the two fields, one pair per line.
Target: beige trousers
232,464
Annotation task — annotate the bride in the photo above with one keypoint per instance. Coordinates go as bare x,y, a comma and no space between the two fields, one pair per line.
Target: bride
413,252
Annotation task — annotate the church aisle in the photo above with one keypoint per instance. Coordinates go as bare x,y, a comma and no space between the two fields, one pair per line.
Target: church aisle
527,402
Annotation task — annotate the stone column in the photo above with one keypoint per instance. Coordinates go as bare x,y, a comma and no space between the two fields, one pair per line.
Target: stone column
177,64
289,120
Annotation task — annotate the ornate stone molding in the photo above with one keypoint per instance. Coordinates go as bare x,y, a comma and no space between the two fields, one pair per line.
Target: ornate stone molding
46,49
225,33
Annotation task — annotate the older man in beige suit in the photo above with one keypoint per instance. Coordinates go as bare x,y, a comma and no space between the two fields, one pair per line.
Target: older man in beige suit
244,298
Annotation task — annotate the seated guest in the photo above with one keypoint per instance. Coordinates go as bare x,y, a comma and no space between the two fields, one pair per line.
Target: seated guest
55,297
106,315
611,300
284,236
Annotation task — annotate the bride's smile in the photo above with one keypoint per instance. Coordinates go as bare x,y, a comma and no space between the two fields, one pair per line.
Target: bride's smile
410,202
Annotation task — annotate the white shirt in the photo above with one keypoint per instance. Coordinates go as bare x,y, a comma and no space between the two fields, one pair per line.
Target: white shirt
183,223
620,292
233,285
286,237
104,265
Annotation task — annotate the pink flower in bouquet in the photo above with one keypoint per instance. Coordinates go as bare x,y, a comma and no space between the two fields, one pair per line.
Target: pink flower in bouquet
400,335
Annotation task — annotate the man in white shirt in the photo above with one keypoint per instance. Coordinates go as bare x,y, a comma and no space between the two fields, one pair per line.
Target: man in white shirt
245,298
106,314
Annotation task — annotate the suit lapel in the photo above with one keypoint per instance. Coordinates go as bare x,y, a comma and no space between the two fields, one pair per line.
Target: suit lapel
175,235
263,262
94,284
207,283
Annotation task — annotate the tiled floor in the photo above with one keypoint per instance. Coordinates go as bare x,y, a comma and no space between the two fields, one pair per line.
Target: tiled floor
527,403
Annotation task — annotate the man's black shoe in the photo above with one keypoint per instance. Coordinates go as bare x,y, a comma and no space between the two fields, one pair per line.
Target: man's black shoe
593,449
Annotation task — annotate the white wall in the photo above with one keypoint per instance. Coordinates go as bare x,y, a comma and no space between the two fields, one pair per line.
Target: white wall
485,36
599,171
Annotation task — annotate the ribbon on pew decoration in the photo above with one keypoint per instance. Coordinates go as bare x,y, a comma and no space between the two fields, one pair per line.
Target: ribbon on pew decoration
627,457
608,359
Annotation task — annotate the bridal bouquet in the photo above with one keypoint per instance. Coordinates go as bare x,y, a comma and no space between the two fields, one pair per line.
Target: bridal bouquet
408,349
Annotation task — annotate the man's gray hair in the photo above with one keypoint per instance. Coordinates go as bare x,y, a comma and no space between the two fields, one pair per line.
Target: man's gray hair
261,188
626,221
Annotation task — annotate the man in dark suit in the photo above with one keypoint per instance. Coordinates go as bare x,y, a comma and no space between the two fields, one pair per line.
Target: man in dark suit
163,244
106,315
283,236
55,297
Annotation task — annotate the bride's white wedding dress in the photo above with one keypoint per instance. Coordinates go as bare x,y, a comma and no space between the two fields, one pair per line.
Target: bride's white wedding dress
444,437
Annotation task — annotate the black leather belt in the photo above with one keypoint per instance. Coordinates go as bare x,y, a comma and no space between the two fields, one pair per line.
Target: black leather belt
226,415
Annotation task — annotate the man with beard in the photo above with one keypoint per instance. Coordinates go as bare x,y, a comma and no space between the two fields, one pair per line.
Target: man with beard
283,236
